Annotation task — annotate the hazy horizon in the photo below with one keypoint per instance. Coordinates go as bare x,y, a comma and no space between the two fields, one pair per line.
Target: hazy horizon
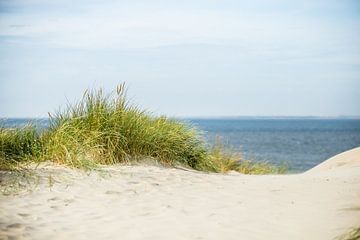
206,58
211,117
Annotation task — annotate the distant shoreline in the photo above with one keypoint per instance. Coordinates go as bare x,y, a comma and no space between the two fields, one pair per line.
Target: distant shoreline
273,117
226,118
299,143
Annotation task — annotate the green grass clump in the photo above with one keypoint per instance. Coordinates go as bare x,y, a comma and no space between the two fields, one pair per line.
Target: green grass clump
18,144
222,159
106,129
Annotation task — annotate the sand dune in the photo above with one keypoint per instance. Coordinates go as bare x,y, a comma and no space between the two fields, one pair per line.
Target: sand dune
346,159
150,202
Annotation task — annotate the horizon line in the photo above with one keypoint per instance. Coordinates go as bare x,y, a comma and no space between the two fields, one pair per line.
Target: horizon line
238,117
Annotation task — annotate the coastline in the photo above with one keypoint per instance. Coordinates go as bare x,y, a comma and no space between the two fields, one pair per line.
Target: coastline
298,143
152,202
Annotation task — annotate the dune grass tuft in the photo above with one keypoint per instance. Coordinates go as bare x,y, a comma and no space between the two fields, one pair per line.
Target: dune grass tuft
104,130
222,158
107,129
18,145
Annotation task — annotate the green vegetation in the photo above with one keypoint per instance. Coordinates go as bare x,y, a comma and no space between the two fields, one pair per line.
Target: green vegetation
106,129
18,145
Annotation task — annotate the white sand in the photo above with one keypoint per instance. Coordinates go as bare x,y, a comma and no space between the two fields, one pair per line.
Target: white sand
148,202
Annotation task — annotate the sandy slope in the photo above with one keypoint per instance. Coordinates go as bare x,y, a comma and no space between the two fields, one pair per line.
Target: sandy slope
148,202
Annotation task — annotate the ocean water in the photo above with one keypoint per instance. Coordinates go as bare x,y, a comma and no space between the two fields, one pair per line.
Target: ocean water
299,143
40,123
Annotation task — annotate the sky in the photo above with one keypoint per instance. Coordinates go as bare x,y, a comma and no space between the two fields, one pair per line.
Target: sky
190,58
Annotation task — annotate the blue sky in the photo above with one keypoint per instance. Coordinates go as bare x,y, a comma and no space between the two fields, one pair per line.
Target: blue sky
183,58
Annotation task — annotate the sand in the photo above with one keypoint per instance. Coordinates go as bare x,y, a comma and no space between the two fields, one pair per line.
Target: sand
151,202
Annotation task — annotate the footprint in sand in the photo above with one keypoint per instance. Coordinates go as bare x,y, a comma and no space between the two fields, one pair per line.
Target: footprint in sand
133,182
66,202
15,225
110,192
55,207
53,199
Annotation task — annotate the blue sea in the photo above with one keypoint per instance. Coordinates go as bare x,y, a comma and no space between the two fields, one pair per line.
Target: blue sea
301,143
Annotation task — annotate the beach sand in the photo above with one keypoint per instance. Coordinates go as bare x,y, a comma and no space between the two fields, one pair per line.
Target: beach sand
151,202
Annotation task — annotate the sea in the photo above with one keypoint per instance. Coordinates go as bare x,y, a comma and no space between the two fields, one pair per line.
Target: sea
298,143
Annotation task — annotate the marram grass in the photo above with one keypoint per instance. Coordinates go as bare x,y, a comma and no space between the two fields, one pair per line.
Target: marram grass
106,129
18,145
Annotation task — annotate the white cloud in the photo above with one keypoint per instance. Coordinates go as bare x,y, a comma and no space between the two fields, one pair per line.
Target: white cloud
273,49
120,26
